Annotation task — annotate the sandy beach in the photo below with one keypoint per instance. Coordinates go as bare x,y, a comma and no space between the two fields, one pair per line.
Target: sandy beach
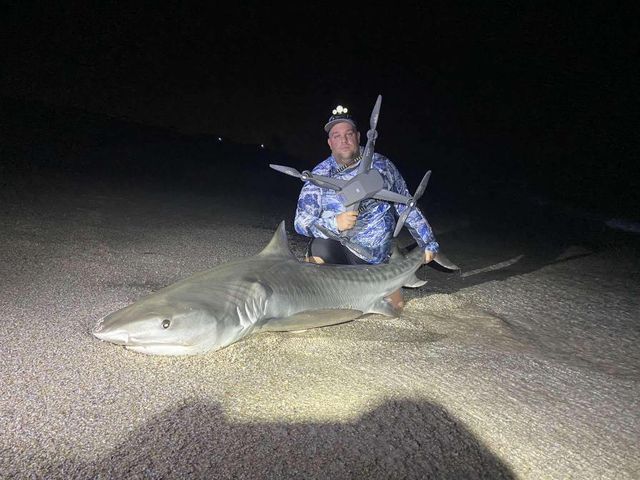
135,150
525,365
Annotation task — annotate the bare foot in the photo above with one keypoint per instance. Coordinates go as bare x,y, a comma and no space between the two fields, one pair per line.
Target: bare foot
317,260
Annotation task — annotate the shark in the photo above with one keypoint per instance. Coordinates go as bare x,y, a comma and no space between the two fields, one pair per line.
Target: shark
272,291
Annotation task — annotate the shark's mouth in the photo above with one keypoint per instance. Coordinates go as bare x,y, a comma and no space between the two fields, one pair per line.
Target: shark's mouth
163,349
150,347
119,337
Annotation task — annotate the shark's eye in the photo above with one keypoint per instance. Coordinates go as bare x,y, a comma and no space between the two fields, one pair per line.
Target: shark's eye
165,323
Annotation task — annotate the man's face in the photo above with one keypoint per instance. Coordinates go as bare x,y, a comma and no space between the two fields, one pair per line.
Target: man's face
344,142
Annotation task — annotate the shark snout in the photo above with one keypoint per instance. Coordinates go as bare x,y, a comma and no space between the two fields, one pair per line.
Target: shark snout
114,335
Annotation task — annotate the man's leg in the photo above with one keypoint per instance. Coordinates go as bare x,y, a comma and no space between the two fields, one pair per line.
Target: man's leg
324,250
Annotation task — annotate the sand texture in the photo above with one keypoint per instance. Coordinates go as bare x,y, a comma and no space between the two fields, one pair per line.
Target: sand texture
526,365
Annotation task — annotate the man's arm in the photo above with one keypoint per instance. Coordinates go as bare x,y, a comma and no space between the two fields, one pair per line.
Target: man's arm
309,213
416,221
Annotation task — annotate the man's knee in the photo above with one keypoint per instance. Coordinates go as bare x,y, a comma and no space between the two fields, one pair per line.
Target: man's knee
312,259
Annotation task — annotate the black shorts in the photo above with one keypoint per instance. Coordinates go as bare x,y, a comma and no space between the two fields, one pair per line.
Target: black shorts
332,251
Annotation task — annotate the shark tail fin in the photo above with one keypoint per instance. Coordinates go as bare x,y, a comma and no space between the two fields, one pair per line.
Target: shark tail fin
443,261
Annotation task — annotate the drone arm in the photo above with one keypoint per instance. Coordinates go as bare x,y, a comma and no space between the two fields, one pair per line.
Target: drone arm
389,196
326,182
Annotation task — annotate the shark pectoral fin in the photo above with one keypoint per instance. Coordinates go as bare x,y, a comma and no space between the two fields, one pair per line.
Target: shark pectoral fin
414,282
384,307
310,319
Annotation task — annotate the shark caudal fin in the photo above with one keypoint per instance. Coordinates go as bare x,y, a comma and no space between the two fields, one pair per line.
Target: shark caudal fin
443,261
278,246
413,281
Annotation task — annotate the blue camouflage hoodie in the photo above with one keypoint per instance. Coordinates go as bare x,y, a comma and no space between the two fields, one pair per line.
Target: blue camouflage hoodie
376,220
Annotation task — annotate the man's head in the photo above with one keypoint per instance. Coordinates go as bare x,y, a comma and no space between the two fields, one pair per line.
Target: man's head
344,138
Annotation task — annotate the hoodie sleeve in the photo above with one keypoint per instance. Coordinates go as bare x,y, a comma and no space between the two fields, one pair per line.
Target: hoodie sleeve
416,221
309,213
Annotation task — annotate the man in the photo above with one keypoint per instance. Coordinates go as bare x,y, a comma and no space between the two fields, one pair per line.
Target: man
375,219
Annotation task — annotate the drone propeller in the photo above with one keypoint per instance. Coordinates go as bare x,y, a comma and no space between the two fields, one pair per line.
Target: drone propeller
288,170
307,176
412,203
372,134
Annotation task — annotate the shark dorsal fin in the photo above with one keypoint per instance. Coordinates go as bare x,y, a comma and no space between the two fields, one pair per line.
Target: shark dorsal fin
278,246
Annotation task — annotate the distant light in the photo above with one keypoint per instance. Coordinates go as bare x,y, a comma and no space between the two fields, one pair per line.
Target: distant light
262,145
219,139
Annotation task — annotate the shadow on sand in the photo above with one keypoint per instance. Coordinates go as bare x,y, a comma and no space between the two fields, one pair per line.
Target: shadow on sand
400,439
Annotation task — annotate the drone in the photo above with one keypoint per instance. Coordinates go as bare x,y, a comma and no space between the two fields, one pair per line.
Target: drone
367,183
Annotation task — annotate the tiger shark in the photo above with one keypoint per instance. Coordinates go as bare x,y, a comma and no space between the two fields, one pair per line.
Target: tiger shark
270,291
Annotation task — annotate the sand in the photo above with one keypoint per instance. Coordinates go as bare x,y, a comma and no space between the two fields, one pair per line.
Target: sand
525,366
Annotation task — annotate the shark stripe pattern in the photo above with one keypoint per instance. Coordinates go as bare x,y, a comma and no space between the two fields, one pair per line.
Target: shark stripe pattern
270,291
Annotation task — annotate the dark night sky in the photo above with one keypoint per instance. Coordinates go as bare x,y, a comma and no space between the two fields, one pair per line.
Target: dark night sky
539,92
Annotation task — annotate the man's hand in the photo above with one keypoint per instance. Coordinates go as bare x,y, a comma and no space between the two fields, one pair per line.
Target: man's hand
428,256
346,220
